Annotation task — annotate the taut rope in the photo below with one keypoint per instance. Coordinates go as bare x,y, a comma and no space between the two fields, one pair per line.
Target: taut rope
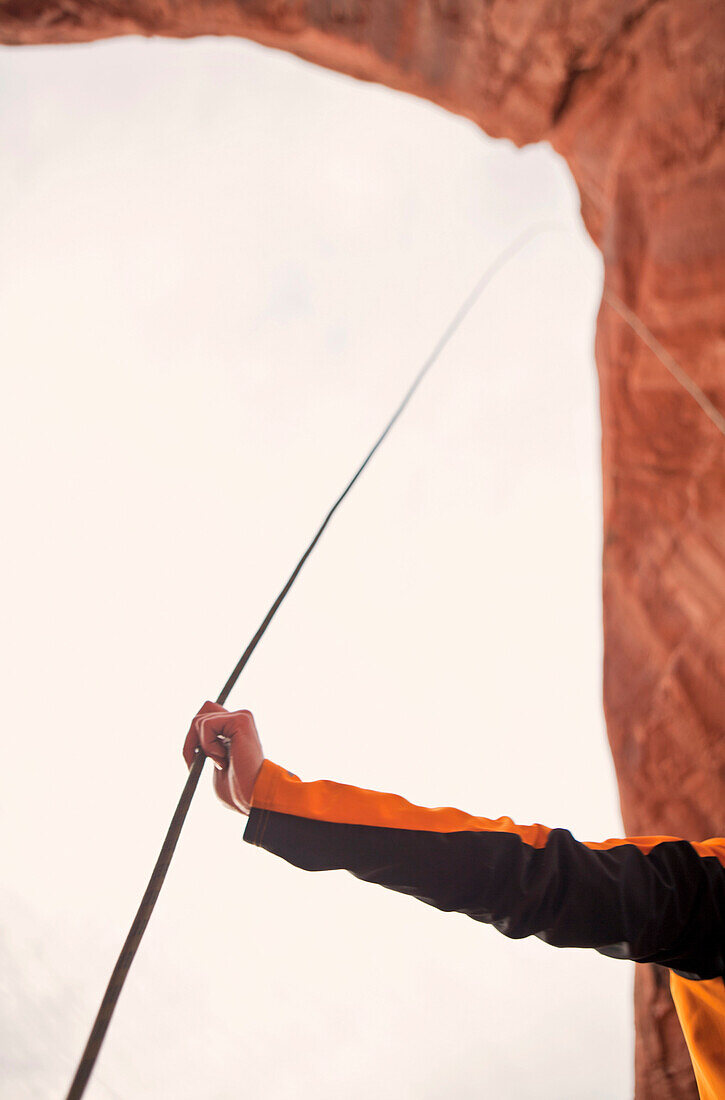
145,909
128,951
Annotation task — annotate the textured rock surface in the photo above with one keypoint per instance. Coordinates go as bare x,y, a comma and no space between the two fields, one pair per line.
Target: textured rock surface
632,93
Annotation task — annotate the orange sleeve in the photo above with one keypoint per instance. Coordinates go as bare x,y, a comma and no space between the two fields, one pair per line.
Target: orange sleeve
650,899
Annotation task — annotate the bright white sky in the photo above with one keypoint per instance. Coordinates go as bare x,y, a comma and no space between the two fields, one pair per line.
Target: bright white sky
220,269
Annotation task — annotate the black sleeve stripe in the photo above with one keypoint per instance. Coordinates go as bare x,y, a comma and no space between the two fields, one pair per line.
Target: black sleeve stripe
665,905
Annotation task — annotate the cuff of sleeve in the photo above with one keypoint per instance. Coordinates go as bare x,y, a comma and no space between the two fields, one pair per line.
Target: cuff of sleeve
265,788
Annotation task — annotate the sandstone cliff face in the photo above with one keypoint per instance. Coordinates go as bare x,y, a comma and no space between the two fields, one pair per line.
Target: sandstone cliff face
632,94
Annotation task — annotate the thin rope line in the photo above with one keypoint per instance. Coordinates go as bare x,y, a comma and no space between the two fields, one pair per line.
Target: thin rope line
501,260
128,951
666,359
133,939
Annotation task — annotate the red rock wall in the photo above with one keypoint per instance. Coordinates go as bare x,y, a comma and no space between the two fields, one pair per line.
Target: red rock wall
632,93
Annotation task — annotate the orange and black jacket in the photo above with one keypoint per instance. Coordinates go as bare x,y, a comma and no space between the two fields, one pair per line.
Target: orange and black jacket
648,899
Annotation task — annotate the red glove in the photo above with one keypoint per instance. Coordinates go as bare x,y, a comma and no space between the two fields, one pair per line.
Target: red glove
232,742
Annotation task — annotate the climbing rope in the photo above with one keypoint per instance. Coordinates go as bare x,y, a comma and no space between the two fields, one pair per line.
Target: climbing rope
668,361
133,939
146,908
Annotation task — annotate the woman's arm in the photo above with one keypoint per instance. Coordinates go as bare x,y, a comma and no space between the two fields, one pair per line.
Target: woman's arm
649,899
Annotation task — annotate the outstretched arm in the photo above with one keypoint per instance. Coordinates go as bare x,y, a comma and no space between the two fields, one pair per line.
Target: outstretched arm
649,899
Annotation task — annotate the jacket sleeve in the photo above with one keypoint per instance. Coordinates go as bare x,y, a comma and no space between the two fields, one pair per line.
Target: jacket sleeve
648,899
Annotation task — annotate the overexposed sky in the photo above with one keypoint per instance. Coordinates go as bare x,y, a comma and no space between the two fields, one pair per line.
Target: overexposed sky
220,269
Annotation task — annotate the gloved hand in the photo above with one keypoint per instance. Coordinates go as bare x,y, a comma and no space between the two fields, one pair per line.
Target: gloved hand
231,740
